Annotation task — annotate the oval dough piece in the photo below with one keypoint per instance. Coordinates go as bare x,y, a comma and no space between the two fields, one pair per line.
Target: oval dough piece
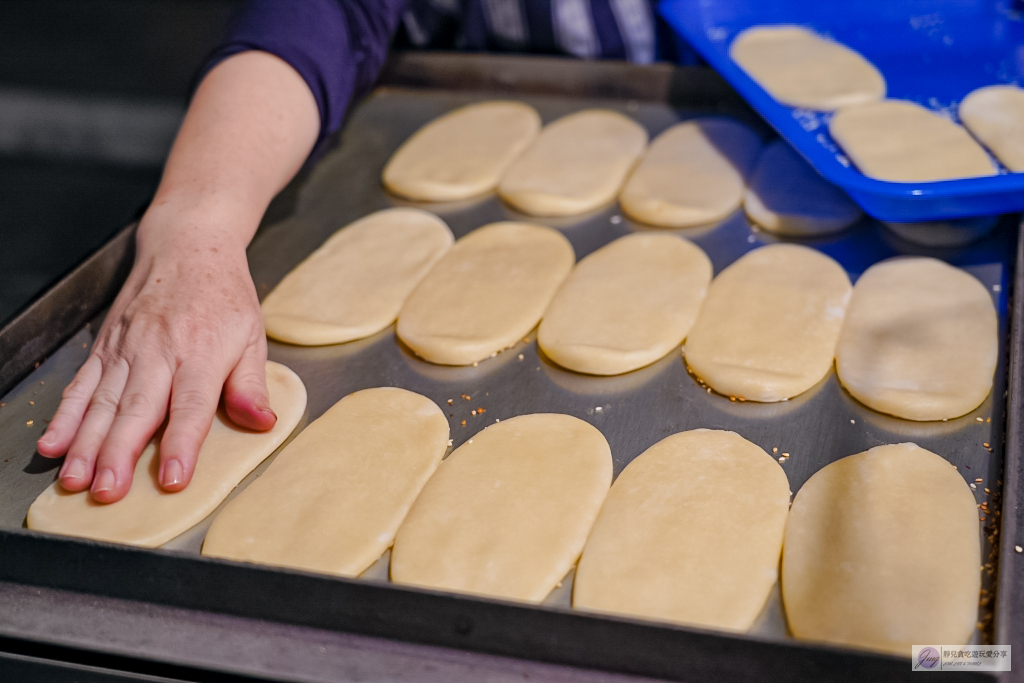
920,340
788,197
507,514
463,153
956,232
995,115
486,294
767,330
354,285
626,305
148,516
903,142
882,552
333,500
661,547
801,69
692,174
578,163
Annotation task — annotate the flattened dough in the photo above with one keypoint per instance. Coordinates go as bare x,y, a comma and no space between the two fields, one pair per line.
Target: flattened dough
662,547
507,514
626,305
463,153
692,174
956,232
578,164
882,552
903,142
802,69
768,328
333,500
148,516
354,285
919,341
788,197
995,115
488,291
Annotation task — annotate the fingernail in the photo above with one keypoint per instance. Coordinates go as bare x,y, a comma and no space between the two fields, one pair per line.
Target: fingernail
264,407
104,481
46,439
73,469
172,474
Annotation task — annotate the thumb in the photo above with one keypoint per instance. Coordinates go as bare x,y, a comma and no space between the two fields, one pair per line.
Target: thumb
246,398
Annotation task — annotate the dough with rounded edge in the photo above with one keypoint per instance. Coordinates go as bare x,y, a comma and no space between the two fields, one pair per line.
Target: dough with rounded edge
995,115
882,552
507,514
692,174
354,285
626,305
768,328
486,294
788,197
920,340
802,69
333,500
661,547
148,516
578,163
463,153
955,232
903,142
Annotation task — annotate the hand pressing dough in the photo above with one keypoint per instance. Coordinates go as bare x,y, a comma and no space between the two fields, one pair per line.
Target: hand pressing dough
354,285
692,174
882,552
767,330
626,305
578,164
333,500
801,69
995,115
148,516
788,197
486,294
661,547
905,143
463,153
507,514
919,341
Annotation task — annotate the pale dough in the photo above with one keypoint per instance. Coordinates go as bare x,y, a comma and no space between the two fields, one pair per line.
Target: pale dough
768,328
354,285
507,514
691,532
995,115
692,174
626,305
463,153
955,232
802,69
486,294
882,552
578,163
148,516
333,500
919,341
903,142
788,197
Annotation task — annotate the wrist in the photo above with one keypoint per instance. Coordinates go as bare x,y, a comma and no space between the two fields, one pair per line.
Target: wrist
167,228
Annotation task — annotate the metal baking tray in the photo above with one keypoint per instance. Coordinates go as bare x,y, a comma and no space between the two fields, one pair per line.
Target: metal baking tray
42,349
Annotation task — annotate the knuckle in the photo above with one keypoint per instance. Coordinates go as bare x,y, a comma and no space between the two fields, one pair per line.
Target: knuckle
136,405
104,401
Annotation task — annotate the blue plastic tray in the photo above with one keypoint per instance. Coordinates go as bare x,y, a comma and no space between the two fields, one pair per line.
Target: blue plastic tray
933,52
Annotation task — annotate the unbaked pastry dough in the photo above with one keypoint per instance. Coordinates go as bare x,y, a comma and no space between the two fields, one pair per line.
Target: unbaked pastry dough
955,232
882,552
903,142
663,549
626,305
354,285
487,292
692,174
919,341
995,115
767,330
507,514
333,500
801,69
463,153
578,163
148,516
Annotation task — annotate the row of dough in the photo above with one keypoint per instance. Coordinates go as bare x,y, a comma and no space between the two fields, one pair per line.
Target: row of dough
690,532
